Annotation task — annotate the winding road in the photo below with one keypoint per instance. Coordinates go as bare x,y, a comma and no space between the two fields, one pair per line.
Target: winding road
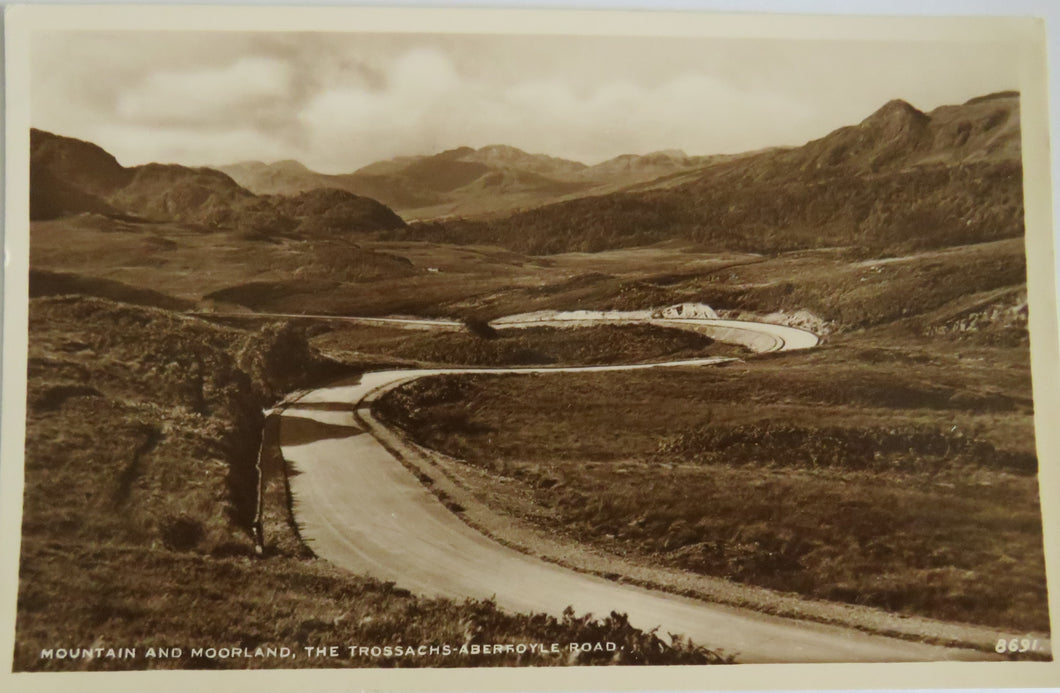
358,507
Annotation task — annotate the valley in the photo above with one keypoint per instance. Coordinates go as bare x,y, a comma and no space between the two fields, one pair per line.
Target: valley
887,475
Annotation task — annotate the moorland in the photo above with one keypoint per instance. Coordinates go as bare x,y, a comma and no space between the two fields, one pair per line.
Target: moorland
893,467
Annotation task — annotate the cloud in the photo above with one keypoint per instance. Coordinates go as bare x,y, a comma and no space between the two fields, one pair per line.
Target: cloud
339,101
206,96
425,105
133,144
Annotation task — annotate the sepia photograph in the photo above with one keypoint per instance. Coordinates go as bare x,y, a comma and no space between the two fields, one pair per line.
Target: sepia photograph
406,339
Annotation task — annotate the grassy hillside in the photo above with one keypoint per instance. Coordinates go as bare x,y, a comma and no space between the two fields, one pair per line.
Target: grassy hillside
46,283
603,344
734,207
841,288
183,261
143,432
925,290
855,294
871,472
327,211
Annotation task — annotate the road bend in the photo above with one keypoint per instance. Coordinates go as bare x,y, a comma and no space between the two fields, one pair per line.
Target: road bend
358,507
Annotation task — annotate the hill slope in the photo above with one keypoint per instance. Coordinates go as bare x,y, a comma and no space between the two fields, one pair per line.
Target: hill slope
144,534
899,180
70,176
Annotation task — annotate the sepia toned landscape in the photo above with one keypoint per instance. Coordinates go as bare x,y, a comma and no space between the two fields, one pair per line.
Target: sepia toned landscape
682,408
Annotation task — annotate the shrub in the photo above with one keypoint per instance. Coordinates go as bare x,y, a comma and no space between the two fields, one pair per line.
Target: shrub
480,328
182,533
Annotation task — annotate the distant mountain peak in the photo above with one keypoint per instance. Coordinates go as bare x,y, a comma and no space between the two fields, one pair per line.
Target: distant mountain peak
456,153
290,165
894,112
997,95
671,153
501,149
505,157
897,105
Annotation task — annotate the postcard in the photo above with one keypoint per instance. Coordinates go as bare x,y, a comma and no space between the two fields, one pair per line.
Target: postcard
450,349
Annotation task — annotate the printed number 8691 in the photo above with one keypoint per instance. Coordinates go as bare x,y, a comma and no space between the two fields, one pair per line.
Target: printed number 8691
1013,645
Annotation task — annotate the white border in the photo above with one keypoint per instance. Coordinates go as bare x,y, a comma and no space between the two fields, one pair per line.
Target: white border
1041,268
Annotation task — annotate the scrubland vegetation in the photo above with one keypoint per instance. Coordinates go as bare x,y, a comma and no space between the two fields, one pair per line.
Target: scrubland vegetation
892,467
895,478
778,210
142,438
532,346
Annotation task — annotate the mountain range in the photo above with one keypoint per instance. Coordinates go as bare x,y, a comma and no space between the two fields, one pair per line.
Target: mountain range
70,176
899,179
470,182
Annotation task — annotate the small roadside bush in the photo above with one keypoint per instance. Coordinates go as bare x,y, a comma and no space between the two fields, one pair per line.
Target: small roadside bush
182,533
480,328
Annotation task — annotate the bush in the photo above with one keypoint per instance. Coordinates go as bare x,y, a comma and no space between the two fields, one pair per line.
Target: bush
480,328
182,533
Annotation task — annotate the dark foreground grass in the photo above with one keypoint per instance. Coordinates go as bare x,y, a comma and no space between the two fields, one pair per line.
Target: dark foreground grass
142,436
898,478
139,597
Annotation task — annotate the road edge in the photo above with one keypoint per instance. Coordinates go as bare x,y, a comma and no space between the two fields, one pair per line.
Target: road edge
432,474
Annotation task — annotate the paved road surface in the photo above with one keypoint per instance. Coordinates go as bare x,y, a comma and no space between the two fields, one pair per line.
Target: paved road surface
359,508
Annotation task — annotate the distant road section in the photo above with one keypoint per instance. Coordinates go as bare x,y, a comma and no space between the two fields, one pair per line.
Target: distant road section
756,336
358,507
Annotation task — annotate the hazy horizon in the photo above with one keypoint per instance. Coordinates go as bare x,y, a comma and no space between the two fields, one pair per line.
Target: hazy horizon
337,102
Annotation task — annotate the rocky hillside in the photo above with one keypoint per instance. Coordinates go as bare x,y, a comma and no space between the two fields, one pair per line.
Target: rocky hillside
164,192
899,180
69,176
79,164
898,136
325,211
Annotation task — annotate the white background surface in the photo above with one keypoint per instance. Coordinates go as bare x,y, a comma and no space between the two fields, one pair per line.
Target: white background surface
1047,9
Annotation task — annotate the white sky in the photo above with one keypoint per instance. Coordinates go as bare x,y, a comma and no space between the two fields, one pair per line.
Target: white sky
337,102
